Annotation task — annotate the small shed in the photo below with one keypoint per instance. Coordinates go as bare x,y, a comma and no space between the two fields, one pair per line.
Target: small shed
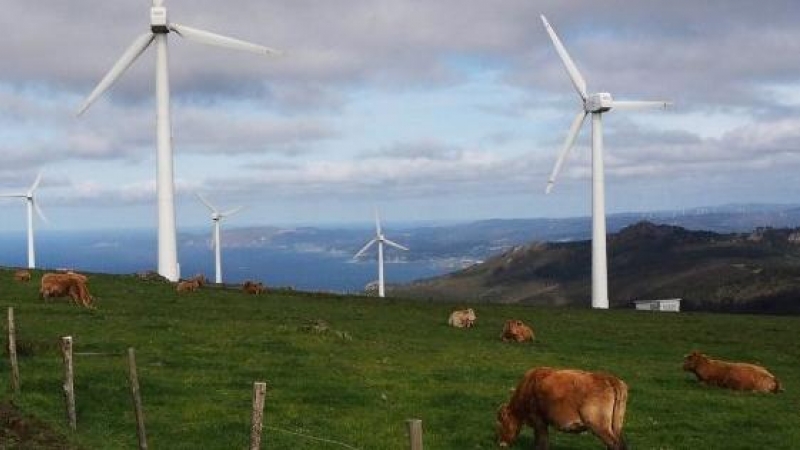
669,304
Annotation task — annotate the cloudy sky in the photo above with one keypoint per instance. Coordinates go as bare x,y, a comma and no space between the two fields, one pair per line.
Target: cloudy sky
430,110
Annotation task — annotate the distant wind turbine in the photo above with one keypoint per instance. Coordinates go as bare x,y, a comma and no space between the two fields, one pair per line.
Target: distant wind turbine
380,239
165,185
594,104
216,217
32,205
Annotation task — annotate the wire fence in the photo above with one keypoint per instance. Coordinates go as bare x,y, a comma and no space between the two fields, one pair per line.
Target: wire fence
414,426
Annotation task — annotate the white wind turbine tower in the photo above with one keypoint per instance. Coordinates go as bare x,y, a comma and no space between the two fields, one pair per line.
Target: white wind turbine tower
216,217
159,28
595,104
32,205
380,239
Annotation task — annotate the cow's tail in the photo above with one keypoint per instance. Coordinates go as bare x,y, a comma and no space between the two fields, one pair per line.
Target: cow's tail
618,417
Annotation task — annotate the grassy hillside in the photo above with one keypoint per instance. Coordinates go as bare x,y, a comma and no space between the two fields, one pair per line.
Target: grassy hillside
757,272
383,361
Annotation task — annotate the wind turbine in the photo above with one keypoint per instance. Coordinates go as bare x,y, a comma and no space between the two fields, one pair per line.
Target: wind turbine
595,104
159,28
32,205
380,239
216,216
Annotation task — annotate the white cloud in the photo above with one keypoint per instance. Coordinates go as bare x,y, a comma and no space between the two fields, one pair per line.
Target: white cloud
414,99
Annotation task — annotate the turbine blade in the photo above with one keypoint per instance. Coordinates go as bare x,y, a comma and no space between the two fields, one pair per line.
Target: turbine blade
35,183
14,195
572,69
395,244
377,222
136,48
205,37
574,129
206,202
365,248
231,212
39,211
630,105
158,2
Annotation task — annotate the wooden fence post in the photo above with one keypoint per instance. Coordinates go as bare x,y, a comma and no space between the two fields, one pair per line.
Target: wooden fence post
12,351
69,382
259,392
137,399
414,434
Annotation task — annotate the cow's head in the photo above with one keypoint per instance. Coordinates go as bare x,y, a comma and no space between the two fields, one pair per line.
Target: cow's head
692,360
201,279
508,426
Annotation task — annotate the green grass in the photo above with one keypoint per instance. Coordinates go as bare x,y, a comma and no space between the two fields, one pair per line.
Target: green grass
384,361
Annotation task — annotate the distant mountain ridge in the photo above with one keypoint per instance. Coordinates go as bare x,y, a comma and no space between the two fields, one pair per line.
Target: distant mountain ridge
753,272
467,243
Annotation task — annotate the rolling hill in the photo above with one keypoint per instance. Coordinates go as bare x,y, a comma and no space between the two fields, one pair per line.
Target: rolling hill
753,272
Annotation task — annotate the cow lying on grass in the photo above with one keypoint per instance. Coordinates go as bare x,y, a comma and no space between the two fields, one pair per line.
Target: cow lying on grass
570,400
731,375
253,288
192,284
22,276
517,331
69,284
464,318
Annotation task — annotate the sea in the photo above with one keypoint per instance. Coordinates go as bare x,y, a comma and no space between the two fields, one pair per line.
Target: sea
133,251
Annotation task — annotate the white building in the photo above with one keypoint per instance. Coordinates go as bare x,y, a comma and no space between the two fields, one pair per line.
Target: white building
670,304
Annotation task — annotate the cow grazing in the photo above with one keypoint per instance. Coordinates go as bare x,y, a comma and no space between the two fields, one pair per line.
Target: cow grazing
77,275
573,401
731,375
464,318
71,285
22,276
253,288
517,331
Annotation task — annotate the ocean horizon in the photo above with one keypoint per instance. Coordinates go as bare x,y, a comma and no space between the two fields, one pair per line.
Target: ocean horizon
134,251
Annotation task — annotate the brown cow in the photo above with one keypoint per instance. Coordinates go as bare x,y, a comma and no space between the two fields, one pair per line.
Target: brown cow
731,375
571,400
66,285
516,330
192,284
22,276
77,275
464,318
253,288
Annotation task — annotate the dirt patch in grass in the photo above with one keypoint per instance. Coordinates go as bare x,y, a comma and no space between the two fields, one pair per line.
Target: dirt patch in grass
24,432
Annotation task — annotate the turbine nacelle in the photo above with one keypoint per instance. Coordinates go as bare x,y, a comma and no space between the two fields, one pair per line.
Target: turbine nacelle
598,103
158,20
